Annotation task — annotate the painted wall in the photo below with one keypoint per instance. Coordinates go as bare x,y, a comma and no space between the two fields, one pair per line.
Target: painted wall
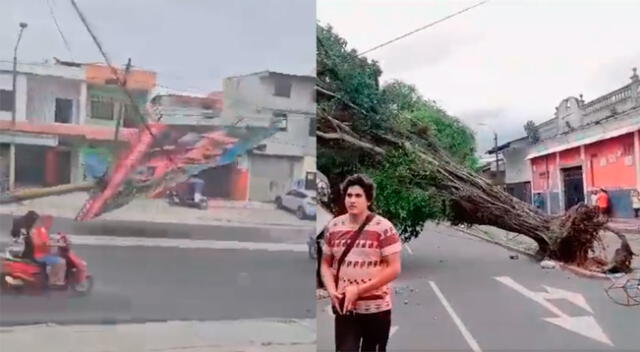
517,167
540,166
136,79
252,98
611,163
41,98
270,176
21,88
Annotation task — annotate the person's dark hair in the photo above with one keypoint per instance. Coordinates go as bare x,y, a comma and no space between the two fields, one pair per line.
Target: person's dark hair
25,222
361,180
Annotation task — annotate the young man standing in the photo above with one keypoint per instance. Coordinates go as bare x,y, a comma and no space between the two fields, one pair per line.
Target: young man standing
359,288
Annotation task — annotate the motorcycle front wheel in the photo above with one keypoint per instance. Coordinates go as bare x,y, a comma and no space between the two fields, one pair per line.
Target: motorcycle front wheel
83,288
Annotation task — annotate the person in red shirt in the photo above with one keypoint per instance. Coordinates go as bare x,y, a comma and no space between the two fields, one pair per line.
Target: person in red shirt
602,201
360,291
45,251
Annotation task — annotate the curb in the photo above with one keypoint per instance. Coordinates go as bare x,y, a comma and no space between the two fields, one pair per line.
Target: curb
213,223
566,267
582,272
501,244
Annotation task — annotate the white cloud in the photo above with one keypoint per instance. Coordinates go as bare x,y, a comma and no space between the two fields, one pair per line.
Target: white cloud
504,62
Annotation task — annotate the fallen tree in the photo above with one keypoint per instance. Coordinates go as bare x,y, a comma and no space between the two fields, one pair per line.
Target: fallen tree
356,134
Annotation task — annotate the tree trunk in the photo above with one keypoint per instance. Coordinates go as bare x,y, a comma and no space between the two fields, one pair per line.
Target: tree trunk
569,238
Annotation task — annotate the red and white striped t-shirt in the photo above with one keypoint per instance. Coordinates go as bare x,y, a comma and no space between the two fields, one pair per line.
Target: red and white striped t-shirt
378,239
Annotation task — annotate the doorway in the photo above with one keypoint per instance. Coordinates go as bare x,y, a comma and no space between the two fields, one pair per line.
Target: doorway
573,186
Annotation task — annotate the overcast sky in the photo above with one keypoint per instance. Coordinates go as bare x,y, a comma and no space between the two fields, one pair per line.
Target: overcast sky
501,63
192,44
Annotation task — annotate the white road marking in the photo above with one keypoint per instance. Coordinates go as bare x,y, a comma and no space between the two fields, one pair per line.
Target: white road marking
408,249
573,297
393,330
465,333
182,243
583,325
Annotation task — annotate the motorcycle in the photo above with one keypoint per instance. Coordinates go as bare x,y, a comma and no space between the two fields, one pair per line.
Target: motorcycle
185,194
18,274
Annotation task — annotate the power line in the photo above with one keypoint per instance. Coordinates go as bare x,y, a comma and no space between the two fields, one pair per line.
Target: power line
422,28
55,20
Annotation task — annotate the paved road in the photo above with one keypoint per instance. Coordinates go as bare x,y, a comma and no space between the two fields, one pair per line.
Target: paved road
495,316
172,230
145,283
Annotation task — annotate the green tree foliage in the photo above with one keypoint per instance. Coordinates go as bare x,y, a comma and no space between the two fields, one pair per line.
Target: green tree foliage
395,109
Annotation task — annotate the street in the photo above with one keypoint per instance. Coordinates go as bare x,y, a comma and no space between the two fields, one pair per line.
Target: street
234,273
457,292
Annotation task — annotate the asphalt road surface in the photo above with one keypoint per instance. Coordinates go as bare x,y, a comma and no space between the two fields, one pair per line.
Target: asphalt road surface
177,278
460,293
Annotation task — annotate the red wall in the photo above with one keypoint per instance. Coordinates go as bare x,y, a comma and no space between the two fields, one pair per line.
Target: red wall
570,156
615,172
540,165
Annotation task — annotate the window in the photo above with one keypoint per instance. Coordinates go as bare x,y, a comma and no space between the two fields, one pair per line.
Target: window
6,100
281,120
64,110
282,87
312,127
101,109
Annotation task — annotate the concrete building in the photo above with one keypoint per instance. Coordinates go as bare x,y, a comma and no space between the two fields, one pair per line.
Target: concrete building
45,95
289,155
53,140
584,147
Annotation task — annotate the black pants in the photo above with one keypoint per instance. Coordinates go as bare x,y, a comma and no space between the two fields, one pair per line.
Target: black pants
363,332
636,211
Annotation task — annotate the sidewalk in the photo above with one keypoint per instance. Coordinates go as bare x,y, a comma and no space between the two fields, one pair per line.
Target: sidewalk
268,335
158,210
527,245
625,225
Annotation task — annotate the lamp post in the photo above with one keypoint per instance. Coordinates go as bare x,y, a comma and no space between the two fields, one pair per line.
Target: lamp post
23,25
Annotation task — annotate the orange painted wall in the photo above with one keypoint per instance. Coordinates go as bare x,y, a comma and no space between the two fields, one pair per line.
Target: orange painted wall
136,79
240,184
570,156
611,163
541,165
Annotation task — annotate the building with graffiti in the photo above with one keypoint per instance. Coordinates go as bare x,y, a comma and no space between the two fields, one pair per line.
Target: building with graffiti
289,154
586,146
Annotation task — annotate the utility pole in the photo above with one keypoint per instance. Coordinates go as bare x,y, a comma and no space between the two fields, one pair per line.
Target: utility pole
12,146
495,143
15,73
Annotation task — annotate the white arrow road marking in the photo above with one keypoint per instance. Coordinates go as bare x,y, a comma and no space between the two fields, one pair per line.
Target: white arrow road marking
584,325
465,333
393,330
573,297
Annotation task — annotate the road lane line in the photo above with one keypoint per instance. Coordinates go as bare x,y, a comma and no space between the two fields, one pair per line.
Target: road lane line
465,333
408,249
181,243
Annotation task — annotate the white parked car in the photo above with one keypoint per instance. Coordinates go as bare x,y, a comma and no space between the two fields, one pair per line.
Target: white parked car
302,202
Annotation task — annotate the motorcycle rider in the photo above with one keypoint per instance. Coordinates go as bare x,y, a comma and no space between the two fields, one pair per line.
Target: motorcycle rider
38,246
